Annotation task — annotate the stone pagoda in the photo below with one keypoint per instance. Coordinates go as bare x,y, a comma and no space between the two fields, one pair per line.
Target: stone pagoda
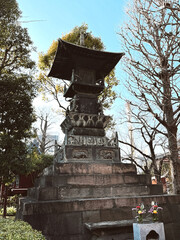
84,125
87,193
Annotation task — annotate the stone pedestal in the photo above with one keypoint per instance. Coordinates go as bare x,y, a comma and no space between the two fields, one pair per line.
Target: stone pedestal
151,231
70,195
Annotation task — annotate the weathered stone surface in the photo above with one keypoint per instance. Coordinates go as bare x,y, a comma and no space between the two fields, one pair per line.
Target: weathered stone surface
91,180
83,191
117,214
172,230
93,168
97,210
108,224
37,207
88,154
141,231
91,216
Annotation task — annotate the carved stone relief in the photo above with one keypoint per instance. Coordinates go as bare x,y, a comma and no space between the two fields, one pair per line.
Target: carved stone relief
107,154
80,154
91,141
88,120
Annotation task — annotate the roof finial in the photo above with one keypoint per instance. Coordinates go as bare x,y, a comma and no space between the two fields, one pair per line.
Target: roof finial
82,37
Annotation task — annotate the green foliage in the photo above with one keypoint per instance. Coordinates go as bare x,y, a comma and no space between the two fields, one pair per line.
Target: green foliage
55,88
38,162
12,200
108,96
11,211
15,43
18,230
90,41
45,60
16,117
17,91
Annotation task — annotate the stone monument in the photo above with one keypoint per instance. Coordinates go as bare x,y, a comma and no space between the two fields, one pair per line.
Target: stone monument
84,125
88,193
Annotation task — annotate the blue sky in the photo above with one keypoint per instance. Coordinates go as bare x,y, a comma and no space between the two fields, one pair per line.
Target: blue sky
103,17
58,17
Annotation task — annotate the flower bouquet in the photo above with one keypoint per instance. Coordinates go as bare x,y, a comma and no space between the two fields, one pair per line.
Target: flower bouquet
139,211
154,210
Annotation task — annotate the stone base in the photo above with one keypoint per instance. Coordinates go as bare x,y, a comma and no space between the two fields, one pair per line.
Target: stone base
91,180
70,195
67,219
149,231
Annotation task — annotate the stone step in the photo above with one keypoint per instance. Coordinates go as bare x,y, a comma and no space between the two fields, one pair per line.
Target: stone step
112,229
90,168
92,180
83,192
70,216
107,204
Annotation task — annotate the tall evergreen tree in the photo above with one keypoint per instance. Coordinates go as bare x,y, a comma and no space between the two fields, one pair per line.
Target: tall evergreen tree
17,91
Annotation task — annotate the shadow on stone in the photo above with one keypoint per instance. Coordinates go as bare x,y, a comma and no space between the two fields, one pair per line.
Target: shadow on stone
152,235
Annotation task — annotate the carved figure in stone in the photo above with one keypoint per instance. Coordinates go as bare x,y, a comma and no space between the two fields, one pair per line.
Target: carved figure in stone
106,154
90,141
80,154
73,140
70,140
100,141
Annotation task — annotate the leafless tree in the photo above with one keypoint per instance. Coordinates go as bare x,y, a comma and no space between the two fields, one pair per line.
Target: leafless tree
45,142
145,151
151,40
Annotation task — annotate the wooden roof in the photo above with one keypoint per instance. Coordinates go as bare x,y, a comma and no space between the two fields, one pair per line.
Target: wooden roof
70,56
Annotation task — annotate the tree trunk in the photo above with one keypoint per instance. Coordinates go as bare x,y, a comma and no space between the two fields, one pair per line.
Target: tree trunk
5,202
1,192
157,174
172,139
171,130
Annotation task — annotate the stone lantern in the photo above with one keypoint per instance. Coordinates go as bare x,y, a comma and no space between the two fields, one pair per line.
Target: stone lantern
84,125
